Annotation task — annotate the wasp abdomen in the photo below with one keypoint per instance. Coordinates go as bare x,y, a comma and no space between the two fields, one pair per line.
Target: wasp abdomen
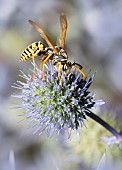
32,51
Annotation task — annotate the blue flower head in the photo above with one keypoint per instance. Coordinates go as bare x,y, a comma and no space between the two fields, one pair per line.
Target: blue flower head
57,105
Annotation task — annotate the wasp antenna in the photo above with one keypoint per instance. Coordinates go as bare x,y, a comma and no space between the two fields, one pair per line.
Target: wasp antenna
43,34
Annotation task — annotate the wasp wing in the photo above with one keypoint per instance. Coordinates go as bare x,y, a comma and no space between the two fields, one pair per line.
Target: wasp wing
43,34
63,29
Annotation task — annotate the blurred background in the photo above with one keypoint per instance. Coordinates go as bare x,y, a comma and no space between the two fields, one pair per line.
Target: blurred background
94,39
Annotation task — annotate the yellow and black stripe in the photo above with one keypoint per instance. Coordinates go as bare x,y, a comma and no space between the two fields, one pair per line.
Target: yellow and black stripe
32,51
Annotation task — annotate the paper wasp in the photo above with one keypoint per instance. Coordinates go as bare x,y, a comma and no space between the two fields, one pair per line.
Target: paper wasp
57,53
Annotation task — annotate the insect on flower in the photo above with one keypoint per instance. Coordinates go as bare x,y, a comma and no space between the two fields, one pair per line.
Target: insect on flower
57,53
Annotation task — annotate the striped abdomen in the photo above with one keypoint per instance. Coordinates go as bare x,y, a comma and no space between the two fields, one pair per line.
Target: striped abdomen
32,51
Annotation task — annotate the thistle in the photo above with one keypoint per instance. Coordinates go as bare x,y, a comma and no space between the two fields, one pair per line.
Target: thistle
57,98
57,105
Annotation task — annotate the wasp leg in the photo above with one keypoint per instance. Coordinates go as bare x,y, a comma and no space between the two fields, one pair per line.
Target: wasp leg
42,67
59,67
43,60
80,70
34,64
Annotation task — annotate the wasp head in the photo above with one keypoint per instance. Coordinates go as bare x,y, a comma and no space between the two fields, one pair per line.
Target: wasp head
62,52
60,57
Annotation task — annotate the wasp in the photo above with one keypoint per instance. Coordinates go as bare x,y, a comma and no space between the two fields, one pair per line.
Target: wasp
57,53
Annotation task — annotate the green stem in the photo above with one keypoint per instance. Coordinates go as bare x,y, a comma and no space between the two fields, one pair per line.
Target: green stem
103,123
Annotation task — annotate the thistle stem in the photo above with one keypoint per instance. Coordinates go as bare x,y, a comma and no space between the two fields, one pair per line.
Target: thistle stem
103,123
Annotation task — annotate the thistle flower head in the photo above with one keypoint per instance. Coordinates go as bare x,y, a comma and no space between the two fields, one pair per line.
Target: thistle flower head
57,105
